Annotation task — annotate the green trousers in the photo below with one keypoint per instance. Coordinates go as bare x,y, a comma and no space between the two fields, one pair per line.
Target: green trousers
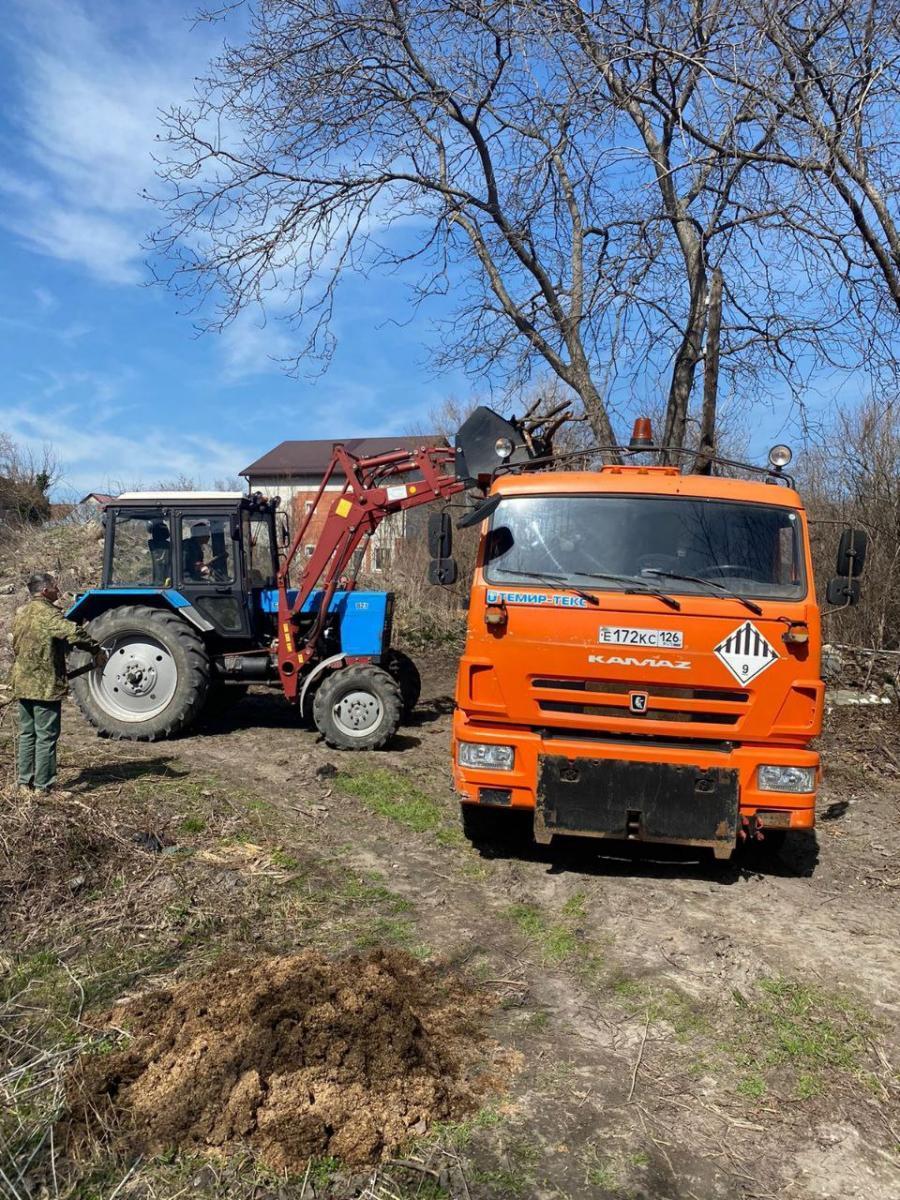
39,725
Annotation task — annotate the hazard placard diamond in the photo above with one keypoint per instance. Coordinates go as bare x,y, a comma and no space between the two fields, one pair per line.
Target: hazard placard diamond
746,653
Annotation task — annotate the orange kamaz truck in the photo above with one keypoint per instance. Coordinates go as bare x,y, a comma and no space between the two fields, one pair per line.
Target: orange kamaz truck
643,656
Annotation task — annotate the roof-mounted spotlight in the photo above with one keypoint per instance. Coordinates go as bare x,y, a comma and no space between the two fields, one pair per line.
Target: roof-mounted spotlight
779,457
503,447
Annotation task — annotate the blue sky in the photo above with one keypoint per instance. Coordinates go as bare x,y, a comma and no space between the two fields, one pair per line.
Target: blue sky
94,360
102,365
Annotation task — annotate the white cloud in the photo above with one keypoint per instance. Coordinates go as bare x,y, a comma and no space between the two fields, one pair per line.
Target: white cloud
95,454
252,345
91,81
46,301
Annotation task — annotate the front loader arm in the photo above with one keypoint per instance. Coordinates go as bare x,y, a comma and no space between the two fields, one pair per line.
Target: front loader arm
374,488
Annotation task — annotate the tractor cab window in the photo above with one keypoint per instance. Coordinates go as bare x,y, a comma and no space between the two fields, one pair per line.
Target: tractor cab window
207,550
261,557
142,550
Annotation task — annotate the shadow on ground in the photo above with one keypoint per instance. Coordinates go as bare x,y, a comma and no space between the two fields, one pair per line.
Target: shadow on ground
126,771
797,856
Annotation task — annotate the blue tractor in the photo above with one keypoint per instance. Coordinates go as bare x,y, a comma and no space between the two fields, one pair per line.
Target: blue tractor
197,599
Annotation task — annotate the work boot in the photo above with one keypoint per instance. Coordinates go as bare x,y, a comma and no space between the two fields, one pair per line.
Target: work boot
53,793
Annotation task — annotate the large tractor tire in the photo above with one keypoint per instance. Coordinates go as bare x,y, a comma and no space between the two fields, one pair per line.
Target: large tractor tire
156,680
405,671
357,708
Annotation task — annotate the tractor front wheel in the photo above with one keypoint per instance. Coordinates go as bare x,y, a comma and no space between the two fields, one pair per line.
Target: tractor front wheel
357,708
156,680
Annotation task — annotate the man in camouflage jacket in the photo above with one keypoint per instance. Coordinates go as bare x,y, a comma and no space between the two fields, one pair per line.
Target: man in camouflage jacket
41,636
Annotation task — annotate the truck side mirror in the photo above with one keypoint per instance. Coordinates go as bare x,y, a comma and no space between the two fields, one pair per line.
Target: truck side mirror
440,535
841,593
851,555
442,572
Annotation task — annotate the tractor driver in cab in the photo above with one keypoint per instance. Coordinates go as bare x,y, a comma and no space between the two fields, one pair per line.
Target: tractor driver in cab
194,564
197,564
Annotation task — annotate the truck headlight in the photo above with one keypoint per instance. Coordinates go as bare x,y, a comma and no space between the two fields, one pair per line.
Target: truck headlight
786,779
483,754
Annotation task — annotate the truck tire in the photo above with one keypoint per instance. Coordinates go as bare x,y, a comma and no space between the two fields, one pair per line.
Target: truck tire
405,671
357,708
157,678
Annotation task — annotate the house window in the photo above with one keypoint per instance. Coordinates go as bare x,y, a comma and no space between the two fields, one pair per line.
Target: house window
309,507
382,558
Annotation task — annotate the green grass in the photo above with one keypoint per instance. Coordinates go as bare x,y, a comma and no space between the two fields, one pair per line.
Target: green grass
502,1180
371,890
575,907
192,825
322,1170
392,795
280,858
458,1134
799,1026
662,1006
554,941
603,1175
392,931
753,1087
794,1041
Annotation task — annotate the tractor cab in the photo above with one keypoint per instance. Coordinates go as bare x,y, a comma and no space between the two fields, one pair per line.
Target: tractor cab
210,554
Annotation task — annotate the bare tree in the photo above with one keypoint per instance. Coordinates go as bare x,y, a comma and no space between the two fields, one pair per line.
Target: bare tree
26,478
572,172
823,78
853,479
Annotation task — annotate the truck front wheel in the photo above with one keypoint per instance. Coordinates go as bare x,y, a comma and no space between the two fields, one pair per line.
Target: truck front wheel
357,708
156,680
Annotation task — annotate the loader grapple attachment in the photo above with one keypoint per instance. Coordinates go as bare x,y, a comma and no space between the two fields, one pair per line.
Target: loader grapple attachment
644,801
476,441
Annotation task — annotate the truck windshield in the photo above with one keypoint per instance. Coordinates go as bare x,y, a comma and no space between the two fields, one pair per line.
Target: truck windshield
750,549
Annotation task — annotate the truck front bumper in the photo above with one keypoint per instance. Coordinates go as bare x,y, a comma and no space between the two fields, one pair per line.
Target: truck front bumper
693,794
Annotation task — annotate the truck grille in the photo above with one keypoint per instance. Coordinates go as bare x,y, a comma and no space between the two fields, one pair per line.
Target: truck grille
666,702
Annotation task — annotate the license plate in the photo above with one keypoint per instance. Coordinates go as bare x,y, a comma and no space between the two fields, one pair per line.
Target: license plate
617,635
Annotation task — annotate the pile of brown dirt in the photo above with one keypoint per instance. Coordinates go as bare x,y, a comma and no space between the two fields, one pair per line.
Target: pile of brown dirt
293,1057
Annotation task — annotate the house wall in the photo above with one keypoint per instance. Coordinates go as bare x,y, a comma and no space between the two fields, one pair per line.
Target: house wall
298,495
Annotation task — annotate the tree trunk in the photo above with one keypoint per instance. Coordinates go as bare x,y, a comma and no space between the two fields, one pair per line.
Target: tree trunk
703,462
594,408
689,354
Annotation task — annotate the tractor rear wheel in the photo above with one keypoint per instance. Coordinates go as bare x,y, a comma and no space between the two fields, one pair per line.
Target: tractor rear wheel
156,680
357,708
405,671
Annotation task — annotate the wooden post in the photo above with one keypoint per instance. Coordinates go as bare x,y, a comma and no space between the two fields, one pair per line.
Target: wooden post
702,463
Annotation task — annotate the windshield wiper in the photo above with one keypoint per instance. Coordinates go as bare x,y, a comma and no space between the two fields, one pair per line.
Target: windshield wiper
641,590
551,579
720,587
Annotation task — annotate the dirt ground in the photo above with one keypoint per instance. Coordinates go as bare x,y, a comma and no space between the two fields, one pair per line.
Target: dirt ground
686,1029
297,1056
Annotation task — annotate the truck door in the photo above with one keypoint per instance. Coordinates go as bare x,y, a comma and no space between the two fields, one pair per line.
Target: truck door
210,572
